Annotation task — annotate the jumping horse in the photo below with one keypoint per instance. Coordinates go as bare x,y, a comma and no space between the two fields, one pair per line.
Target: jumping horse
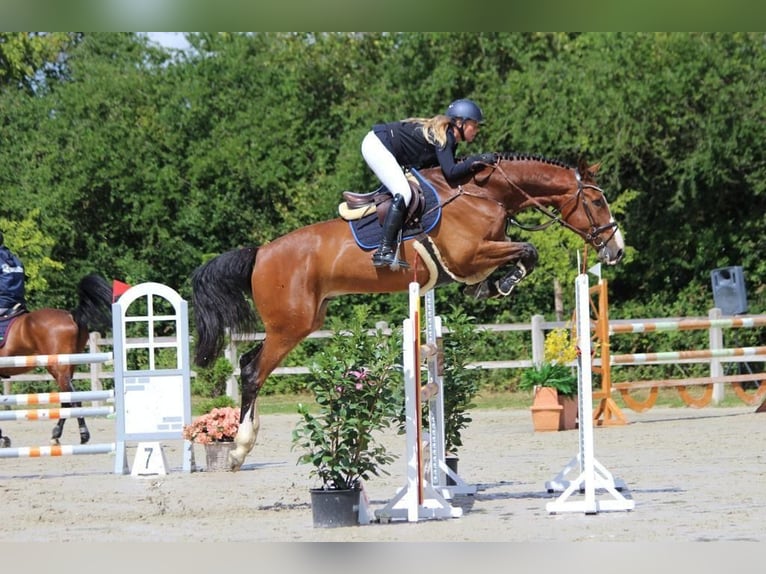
292,279
57,331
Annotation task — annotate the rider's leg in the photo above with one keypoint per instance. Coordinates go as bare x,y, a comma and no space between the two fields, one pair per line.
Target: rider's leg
386,253
390,174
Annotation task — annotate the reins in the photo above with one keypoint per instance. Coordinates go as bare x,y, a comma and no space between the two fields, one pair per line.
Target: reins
594,234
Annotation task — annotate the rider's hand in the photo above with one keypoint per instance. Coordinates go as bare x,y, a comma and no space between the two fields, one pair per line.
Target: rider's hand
483,159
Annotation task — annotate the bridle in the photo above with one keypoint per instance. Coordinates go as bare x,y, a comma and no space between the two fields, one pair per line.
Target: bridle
592,236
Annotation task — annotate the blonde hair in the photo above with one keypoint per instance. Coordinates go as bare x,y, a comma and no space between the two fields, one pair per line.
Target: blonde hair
434,129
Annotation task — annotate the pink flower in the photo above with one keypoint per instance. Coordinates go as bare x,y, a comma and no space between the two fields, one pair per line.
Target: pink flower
360,374
219,425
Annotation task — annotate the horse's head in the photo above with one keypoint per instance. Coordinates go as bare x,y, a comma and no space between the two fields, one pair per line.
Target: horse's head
587,213
578,202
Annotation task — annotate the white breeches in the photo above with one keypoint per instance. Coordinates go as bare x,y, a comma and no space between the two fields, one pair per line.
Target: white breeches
385,166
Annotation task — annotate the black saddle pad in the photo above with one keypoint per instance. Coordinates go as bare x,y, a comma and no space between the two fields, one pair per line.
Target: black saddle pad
367,231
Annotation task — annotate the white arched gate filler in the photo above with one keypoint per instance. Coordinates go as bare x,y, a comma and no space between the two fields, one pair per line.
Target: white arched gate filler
153,404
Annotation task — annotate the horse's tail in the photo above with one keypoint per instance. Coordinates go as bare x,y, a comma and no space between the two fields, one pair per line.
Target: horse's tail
94,310
219,288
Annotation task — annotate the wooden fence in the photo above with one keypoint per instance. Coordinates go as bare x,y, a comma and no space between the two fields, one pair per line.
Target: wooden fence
535,329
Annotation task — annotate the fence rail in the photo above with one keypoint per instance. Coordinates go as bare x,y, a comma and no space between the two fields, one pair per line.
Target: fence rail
536,329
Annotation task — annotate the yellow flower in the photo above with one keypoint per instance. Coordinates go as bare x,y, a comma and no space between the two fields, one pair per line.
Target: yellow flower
558,348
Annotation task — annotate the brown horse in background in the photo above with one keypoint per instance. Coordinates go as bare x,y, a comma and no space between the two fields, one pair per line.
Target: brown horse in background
57,332
292,279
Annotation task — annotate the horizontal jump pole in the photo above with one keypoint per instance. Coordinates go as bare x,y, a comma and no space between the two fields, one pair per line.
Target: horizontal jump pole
51,360
639,358
55,414
686,325
55,398
61,450
689,382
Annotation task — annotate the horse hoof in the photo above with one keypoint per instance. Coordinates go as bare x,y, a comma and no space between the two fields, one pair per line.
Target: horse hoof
234,463
55,442
5,442
478,291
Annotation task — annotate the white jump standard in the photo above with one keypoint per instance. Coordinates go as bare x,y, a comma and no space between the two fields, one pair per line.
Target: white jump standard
593,476
422,497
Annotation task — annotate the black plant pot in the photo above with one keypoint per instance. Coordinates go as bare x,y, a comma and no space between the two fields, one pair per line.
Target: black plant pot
333,508
451,462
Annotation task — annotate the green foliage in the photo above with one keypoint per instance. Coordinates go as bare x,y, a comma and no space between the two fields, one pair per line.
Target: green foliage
555,370
460,343
357,385
211,381
27,241
214,403
141,163
560,377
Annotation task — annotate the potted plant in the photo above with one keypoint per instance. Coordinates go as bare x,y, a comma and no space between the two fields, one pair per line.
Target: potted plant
554,383
215,430
460,384
461,341
356,382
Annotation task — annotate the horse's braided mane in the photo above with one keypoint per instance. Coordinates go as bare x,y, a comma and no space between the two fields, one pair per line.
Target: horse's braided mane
515,156
521,156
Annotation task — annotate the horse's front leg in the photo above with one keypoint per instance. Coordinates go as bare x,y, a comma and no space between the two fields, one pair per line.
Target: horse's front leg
523,266
502,281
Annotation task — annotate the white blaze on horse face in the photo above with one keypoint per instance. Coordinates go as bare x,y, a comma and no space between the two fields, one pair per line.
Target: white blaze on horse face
614,249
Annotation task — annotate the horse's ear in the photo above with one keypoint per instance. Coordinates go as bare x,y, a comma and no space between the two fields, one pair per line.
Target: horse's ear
584,168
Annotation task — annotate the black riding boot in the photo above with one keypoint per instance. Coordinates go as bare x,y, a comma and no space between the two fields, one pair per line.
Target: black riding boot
389,244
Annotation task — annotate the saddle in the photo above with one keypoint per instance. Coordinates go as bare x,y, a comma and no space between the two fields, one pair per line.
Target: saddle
366,212
7,313
359,205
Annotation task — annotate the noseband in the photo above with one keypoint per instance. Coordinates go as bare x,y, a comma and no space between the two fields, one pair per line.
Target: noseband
594,234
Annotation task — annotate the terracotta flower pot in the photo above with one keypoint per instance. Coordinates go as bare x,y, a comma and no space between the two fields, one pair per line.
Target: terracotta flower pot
568,419
546,410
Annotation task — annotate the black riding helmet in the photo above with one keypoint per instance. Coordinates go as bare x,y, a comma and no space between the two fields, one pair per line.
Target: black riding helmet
465,109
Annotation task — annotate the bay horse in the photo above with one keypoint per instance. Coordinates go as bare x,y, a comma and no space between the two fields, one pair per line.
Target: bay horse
292,279
50,331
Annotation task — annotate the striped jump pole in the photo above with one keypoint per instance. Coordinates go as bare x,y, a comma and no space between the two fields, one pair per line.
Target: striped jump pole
662,356
60,450
686,325
714,391
50,360
55,414
55,398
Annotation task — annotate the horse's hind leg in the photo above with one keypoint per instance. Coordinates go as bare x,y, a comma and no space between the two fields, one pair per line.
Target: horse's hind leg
255,366
65,384
248,417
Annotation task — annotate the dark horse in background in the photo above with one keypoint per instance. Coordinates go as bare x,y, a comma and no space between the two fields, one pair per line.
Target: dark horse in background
56,332
292,279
